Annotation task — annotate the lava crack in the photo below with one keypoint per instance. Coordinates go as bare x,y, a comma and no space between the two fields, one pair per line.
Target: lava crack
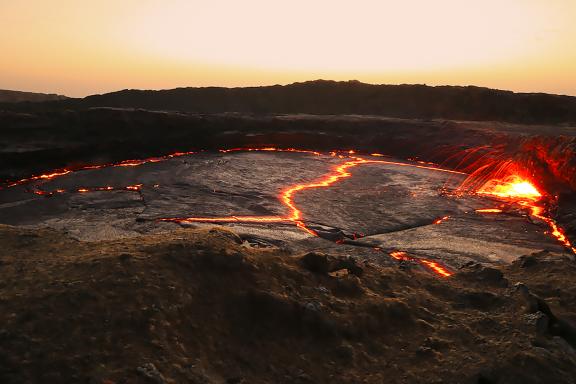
512,188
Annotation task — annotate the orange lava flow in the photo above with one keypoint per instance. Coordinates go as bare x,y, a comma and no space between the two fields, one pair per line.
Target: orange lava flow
124,163
441,220
555,230
295,214
432,265
340,172
135,187
489,210
228,219
398,255
286,197
136,162
512,188
269,149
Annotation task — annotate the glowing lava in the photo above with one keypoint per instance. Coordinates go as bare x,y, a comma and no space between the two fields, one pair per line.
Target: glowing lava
512,187
295,215
432,265
436,267
286,197
495,178
489,210
441,220
124,163
398,255
269,149
135,188
518,190
538,212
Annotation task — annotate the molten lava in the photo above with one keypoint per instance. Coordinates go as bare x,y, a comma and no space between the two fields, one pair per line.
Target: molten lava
500,179
135,187
489,210
518,190
511,187
539,212
398,255
436,267
491,175
124,163
294,215
432,265
270,149
441,220
287,196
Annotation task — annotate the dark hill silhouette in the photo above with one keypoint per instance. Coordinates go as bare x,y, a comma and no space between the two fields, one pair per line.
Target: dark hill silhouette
352,97
7,96
323,97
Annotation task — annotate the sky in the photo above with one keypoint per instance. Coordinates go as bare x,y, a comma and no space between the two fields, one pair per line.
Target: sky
82,47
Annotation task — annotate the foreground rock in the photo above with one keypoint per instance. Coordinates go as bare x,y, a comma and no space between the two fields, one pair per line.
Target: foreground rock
197,306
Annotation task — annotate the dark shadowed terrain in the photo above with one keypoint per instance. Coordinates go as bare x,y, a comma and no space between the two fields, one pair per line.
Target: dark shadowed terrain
19,96
95,289
351,97
205,307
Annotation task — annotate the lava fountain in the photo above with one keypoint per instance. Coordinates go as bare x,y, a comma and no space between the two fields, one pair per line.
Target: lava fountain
516,189
511,187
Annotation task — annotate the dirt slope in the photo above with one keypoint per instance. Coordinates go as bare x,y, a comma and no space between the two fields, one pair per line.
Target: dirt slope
195,306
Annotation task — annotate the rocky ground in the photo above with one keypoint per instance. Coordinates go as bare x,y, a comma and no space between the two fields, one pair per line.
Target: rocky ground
93,289
392,206
205,306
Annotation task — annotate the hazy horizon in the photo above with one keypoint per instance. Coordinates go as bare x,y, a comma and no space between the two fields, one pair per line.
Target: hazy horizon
78,48
271,85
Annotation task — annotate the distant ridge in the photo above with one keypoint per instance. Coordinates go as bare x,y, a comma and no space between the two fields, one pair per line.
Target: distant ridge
7,96
349,97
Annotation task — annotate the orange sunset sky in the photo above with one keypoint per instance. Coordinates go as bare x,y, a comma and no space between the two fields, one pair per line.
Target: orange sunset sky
81,47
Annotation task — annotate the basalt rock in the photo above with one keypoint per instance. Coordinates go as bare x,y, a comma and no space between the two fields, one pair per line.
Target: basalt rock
324,264
556,326
476,272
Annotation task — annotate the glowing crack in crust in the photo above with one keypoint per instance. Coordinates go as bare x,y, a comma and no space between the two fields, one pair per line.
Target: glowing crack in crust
433,265
511,188
295,216
489,210
287,196
40,192
125,163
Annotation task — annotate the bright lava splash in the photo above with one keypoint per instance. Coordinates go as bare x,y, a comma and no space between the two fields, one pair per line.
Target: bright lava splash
512,187
518,190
